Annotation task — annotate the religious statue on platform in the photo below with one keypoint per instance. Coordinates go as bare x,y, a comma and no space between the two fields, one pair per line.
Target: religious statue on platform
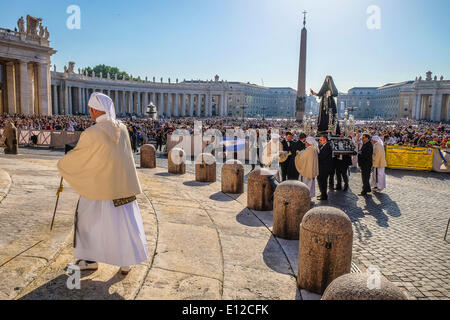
32,25
71,67
46,33
41,30
328,110
21,25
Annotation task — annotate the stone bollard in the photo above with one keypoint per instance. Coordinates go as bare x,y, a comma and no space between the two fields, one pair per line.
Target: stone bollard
291,202
10,140
177,161
148,156
205,168
325,248
233,177
260,190
363,286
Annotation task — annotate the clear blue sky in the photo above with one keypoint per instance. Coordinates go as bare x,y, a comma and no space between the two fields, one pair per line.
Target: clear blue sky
249,40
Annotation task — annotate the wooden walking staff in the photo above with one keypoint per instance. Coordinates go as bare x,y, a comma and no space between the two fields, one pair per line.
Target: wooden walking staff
60,189
68,148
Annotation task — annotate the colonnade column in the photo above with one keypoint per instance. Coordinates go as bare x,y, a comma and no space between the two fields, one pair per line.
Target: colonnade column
86,100
162,106
24,89
138,104
417,107
177,98
124,102
208,105
131,102
183,105
436,107
60,100
32,89
146,102
43,88
191,105
199,105
70,100
66,99
79,102
116,100
11,85
54,99
225,104
169,105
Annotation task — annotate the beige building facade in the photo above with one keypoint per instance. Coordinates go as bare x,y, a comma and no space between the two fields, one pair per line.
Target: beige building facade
28,86
25,68
421,99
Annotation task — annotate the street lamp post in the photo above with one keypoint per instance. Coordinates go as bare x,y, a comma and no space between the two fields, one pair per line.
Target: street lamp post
264,112
243,107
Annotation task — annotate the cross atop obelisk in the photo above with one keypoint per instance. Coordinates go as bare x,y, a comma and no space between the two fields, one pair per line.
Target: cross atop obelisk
301,93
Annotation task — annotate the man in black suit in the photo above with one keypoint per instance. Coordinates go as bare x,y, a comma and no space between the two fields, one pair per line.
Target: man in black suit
333,173
365,163
288,169
325,164
343,161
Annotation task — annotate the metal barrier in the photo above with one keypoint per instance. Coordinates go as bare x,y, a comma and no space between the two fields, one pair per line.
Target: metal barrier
45,138
60,138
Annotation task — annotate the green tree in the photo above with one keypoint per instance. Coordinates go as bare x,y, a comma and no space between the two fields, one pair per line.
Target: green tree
104,69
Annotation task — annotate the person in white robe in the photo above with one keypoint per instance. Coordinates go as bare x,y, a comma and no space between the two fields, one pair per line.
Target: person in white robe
378,180
356,140
307,164
101,169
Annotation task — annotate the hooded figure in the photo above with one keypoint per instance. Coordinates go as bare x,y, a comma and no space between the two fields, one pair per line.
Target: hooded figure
307,164
101,169
8,140
378,180
327,94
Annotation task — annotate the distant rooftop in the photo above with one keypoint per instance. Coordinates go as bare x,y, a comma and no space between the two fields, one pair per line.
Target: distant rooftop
391,85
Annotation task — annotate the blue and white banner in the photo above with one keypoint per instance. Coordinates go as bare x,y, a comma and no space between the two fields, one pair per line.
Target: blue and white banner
233,145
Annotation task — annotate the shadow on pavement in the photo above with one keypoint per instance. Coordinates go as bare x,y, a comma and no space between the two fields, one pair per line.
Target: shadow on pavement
265,216
247,218
388,204
196,183
219,196
56,289
275,258
348,202
164,174
421,174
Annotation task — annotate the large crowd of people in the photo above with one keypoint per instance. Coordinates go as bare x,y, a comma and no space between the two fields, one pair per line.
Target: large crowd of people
401,132
368,137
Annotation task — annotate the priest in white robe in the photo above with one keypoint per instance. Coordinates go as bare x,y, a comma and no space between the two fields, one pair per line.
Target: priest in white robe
101,169
307,164
378,180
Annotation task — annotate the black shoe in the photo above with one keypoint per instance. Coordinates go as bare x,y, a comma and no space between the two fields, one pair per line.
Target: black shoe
322,198
345,187
338,187
363,193
331,188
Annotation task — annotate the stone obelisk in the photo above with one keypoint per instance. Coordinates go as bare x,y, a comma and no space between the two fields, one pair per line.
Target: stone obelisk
301,89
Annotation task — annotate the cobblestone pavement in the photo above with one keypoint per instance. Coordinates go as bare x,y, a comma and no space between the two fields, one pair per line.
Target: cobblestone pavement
400,231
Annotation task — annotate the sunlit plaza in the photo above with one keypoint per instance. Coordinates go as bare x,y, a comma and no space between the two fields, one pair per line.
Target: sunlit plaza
166,172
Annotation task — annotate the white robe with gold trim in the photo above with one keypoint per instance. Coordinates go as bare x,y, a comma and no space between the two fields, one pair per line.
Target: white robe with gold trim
104,233
110,235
